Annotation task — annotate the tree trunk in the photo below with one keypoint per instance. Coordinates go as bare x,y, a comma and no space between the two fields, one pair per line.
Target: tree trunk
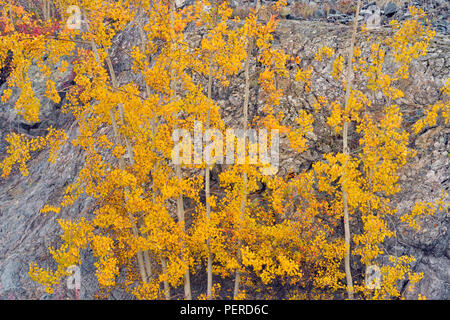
348,273
45,9
166,283
181,219
147,259
180,205
117,136
244,175
207,190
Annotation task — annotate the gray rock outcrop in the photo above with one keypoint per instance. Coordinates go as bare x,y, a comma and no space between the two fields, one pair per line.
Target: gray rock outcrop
26,234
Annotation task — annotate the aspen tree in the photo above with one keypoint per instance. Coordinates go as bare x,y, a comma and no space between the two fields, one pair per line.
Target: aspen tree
142,233
143,49
259,34
178,173
348,272
369,175
207,167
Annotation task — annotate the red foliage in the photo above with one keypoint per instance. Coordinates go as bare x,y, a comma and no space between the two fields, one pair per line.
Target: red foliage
36,30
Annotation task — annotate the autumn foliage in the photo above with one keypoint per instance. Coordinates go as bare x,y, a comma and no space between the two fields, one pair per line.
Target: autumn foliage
152,227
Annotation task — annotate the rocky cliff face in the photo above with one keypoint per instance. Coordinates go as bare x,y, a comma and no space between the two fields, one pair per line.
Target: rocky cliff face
25,233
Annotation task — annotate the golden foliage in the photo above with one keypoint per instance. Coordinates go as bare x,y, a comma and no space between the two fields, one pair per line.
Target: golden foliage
288,234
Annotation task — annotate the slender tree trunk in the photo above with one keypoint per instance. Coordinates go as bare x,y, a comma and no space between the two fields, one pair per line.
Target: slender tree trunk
166,283
207,168
181,219
244,174
148,265
147,259
207,189
348,273
142,260
180,205
118,138
45,4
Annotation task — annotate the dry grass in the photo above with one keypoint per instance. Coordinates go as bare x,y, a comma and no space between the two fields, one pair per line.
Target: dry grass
382,3
303,10
346,6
